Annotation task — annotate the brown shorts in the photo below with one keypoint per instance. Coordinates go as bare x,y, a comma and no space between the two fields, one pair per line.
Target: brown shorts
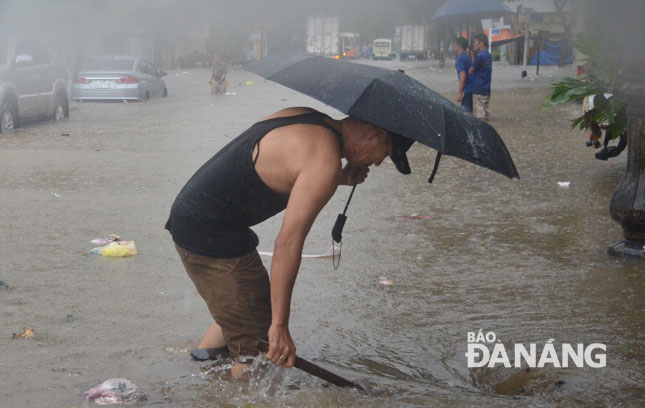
238,295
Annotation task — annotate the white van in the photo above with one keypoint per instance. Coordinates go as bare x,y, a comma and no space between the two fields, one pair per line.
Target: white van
382,49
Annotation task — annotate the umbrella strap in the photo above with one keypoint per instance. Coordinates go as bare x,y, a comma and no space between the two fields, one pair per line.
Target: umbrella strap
334,262
436,166
337,231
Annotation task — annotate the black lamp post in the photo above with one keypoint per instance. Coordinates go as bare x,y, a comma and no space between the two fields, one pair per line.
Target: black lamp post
618,25
627,205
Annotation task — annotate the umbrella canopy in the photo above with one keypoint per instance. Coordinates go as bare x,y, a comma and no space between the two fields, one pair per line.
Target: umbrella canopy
469,9
393,101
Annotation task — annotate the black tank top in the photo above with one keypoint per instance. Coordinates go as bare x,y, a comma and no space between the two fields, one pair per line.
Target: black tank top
213,212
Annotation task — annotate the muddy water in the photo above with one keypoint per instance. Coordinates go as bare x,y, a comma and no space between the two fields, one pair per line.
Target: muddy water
524,259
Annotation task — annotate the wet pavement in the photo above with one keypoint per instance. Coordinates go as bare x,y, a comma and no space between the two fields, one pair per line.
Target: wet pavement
524,259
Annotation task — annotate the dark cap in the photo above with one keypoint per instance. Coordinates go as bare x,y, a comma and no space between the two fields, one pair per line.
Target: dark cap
400,146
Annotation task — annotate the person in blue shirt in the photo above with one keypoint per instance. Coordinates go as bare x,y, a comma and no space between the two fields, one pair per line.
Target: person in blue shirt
481,71
462,64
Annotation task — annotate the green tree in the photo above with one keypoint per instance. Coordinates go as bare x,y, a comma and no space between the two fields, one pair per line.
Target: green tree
602,80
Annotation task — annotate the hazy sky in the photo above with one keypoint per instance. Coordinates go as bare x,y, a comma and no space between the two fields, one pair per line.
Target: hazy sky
618,21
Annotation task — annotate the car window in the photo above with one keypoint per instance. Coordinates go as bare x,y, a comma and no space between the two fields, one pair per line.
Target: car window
148,68
4,50
31,52
109,64
154,70
41,55
24,54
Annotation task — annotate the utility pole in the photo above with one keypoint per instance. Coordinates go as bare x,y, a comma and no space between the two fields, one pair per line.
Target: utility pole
527,27
494,23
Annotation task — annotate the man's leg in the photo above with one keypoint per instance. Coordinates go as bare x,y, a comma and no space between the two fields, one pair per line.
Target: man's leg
238,369
214,338
237,292
480,106
485,102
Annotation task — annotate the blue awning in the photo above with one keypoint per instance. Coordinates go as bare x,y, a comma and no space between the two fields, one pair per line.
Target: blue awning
471,9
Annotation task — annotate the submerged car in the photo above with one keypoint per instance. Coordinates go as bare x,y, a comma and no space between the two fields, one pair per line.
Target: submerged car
32,85
118,78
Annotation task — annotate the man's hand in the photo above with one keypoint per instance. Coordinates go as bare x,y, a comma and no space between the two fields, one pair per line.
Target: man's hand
353,175
460,97
282,351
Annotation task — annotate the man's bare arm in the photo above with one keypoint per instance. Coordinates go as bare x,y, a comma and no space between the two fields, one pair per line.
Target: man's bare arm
313,188
462,85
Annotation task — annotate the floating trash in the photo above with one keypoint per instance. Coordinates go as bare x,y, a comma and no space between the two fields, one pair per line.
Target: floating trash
115,391
385,281
116,249
105,240
564,184
29,333
171,350
249,83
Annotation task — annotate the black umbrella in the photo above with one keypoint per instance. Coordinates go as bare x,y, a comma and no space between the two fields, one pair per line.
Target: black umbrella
393,101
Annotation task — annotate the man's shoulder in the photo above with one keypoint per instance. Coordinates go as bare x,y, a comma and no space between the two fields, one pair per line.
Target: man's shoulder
462,61
484,54
292,111
311,147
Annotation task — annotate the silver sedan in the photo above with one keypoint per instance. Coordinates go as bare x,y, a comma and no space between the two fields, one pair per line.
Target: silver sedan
118,78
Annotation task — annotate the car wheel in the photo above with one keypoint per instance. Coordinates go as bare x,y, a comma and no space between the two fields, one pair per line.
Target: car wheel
7,118
60,108
165,92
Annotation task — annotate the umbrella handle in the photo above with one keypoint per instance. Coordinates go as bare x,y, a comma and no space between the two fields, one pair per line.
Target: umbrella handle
337,231
436,166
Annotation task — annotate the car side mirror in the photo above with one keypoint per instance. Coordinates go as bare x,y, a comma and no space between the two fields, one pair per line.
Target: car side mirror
24,60
162,73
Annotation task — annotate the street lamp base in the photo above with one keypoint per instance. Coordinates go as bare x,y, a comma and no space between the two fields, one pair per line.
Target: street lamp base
627,249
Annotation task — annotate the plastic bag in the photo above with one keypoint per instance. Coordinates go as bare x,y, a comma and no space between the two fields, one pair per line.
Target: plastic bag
116,249
106,240
115,391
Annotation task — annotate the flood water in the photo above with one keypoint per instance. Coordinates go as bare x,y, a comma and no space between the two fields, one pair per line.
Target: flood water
525,259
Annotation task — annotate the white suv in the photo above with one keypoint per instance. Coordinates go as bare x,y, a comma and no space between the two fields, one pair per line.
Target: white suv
32,86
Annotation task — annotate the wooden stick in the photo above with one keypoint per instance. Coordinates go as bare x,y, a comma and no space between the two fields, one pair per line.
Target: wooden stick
315,370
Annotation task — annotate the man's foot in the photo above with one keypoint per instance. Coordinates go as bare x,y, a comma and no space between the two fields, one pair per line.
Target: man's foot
204,354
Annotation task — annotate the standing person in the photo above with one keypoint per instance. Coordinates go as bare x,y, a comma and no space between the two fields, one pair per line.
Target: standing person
218,76
462,64
482,73
291,159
